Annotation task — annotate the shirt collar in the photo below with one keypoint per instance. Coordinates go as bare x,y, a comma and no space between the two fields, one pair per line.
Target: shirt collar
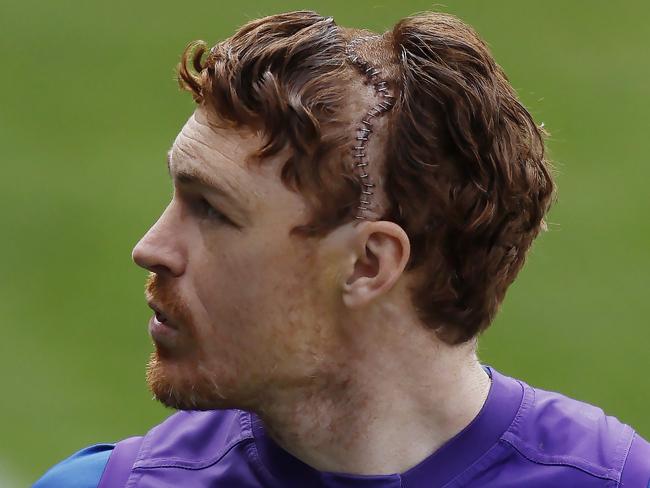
456,455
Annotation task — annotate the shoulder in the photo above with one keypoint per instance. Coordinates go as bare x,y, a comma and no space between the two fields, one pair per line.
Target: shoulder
191,437
81,470
188,437
636,471
553,429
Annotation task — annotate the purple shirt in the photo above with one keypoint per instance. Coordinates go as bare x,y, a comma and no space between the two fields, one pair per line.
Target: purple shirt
523,437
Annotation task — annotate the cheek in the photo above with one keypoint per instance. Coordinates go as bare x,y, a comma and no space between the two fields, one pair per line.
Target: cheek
243,289
266,302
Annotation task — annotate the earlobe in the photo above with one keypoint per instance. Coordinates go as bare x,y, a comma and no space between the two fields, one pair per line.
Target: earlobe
379,261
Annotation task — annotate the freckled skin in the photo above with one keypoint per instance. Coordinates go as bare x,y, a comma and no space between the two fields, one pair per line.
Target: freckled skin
317,336
247,340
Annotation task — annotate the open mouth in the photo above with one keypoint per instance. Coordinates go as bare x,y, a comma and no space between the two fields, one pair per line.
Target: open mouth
163,334
160,317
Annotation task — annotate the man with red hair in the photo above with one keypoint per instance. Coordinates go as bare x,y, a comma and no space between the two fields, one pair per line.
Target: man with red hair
348,212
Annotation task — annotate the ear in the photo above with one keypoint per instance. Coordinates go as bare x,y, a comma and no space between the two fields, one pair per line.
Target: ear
381,250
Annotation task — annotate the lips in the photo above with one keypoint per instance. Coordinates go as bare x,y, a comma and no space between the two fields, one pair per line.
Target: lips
160,316
166,337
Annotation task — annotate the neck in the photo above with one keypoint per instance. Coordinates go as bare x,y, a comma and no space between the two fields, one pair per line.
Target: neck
385,411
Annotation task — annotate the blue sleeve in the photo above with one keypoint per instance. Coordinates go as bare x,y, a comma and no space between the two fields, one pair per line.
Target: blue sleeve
83,469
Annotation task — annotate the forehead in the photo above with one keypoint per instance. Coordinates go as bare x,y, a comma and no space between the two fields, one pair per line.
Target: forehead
218,154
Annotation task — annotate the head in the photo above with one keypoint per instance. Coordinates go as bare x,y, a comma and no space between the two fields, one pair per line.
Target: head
330,180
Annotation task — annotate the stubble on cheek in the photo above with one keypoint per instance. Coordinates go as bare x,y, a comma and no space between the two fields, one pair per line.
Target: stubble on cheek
274,338
189,388
304,338
190,374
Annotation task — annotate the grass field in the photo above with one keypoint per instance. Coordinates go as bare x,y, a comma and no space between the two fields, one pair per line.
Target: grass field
89,106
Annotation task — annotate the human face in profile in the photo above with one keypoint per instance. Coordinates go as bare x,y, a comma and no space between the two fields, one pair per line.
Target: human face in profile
242,310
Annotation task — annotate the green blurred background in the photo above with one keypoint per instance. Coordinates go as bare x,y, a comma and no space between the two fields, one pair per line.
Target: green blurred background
89,106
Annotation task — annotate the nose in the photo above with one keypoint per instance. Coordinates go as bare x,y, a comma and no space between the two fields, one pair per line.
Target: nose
160,250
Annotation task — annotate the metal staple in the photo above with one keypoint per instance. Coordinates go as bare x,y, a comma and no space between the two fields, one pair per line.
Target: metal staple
371,73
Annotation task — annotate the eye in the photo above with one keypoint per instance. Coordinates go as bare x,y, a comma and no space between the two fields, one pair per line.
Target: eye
206,210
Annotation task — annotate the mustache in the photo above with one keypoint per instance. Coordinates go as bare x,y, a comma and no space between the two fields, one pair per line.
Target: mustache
160,291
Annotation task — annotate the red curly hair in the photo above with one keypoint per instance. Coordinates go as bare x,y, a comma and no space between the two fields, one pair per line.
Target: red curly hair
463,170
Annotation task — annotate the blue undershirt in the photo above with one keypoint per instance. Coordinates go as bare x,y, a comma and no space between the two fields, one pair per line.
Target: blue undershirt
83,469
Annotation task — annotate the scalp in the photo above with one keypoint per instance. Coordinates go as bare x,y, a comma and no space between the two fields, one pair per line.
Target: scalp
460,162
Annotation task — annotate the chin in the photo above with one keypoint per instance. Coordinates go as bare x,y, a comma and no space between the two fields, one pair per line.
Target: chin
187,388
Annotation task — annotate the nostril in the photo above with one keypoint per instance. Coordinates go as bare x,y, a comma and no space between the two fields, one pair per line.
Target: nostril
159,269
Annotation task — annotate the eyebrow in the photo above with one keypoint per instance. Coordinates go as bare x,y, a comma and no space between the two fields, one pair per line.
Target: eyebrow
223,187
